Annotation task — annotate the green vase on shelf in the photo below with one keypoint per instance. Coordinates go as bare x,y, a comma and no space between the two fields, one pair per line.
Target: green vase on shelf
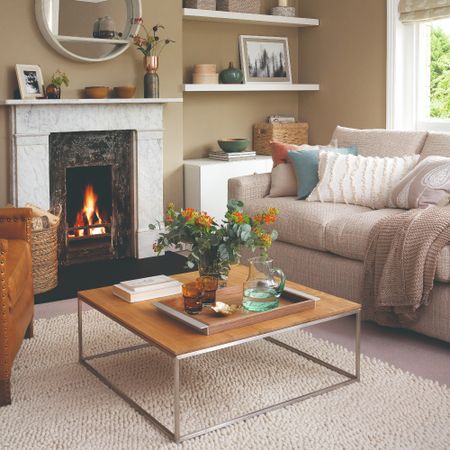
231,75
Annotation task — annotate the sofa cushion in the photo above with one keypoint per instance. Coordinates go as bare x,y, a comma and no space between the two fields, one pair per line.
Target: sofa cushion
360,180
18,268
427,184
349,237
381,142
443,267
436,144
283,181
304,223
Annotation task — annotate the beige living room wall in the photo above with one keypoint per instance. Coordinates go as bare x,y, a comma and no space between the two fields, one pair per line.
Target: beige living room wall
347,56
22,43
211,116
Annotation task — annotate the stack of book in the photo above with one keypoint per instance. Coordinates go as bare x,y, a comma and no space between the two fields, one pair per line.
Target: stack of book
222,156
147,288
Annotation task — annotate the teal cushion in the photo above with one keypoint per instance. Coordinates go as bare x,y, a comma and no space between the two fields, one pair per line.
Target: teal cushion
306,167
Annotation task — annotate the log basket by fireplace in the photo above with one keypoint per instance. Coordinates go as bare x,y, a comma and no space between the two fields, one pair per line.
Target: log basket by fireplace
44,245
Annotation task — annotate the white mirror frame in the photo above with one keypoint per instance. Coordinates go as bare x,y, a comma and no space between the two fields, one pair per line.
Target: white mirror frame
134,9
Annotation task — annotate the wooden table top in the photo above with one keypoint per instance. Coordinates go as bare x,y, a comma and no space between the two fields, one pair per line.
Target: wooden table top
178,339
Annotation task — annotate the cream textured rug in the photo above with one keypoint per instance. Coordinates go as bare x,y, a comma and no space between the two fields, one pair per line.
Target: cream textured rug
60,405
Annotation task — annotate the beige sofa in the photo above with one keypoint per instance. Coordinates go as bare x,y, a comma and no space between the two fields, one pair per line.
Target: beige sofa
323,245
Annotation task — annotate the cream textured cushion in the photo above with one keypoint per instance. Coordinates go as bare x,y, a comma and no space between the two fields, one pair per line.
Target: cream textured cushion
359,180
427,184
436,144
381,142
284,182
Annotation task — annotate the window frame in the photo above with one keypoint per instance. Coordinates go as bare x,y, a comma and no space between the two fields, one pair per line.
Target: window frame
405,95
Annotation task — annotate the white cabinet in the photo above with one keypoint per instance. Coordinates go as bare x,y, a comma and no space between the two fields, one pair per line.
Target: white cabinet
206,181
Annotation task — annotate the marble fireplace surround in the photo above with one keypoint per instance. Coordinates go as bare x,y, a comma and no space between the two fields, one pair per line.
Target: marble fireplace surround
32,122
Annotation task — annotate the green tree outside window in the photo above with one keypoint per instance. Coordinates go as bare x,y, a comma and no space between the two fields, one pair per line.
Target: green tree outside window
440,74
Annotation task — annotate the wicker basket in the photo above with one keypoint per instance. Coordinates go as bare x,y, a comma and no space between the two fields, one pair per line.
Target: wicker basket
288,133
243,6
44,245
200,4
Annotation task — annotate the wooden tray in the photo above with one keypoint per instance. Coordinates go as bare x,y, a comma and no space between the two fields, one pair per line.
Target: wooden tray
208,322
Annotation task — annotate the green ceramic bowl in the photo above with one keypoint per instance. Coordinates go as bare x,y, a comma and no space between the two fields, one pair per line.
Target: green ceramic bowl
233,145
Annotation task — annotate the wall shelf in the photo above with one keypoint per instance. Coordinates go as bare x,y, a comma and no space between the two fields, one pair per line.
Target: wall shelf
256,19
76,39
91,101
254,87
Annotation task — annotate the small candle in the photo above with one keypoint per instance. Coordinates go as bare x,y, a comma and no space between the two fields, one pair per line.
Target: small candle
282,2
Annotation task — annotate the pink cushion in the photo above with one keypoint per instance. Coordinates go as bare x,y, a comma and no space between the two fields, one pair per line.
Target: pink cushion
280,152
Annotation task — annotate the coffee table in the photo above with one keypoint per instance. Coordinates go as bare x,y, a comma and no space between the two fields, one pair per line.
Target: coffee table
181,342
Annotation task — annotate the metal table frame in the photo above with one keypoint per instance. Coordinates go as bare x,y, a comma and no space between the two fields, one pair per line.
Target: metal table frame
176,435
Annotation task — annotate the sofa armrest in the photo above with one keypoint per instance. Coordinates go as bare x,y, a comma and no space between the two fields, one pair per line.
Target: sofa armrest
15,223
249,188
5,362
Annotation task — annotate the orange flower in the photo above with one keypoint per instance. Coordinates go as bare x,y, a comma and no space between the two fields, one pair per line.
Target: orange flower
258,218
204,220
169,219
238,217
189,213
266,240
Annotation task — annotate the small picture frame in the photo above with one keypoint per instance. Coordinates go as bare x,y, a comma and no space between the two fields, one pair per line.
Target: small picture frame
265,59
31,82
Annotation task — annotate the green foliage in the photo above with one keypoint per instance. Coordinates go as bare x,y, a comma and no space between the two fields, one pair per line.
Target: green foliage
440,74
59,78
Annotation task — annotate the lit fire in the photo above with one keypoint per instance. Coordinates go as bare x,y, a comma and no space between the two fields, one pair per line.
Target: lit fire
88,216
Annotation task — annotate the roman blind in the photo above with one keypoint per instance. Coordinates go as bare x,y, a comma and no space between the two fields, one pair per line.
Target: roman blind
423,10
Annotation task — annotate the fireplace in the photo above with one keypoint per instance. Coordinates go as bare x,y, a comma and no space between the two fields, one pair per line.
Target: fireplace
90,178
37,126
89,208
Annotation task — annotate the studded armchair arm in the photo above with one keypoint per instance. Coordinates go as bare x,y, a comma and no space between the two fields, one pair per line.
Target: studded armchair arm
5,358
15,223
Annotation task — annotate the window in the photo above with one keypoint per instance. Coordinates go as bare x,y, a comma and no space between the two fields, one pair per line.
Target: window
433,81
418,80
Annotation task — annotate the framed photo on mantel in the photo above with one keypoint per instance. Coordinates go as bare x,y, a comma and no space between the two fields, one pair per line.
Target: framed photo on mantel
265,59
31,82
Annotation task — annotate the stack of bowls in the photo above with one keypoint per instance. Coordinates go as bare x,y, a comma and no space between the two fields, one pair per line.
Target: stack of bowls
205,74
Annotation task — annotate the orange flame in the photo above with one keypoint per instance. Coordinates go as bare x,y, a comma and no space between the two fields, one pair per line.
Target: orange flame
89,215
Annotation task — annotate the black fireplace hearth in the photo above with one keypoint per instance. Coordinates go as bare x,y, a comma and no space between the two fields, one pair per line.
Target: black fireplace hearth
90,177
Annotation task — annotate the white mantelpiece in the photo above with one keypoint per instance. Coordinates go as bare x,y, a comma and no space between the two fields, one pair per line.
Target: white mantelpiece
32,122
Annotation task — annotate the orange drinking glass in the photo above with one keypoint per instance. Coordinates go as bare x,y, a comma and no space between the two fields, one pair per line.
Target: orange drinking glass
193,296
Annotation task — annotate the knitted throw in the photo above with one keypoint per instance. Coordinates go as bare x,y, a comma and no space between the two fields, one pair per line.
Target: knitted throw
401,262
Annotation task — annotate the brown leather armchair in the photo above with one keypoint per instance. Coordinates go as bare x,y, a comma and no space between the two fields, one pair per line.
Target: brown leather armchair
16,291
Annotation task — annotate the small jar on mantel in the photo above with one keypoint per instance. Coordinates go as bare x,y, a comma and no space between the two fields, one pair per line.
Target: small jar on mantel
53,92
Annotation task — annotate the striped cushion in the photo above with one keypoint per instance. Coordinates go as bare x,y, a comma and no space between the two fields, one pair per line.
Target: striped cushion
359,180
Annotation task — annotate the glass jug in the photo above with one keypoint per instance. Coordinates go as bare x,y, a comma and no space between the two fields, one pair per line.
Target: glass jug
261,291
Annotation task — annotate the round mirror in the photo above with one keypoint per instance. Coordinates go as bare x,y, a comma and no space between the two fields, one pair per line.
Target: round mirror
88,30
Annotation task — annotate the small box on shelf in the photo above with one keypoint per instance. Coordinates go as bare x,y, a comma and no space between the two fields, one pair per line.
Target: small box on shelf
242,6
200,4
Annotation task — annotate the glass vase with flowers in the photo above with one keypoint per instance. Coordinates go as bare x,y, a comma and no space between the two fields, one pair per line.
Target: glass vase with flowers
215,247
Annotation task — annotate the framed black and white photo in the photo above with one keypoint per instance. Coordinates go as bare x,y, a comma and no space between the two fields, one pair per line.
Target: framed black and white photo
31,83
265,59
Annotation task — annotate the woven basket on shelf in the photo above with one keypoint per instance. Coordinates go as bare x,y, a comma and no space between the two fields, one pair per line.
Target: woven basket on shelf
44,245
243,6
288,133
200,4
